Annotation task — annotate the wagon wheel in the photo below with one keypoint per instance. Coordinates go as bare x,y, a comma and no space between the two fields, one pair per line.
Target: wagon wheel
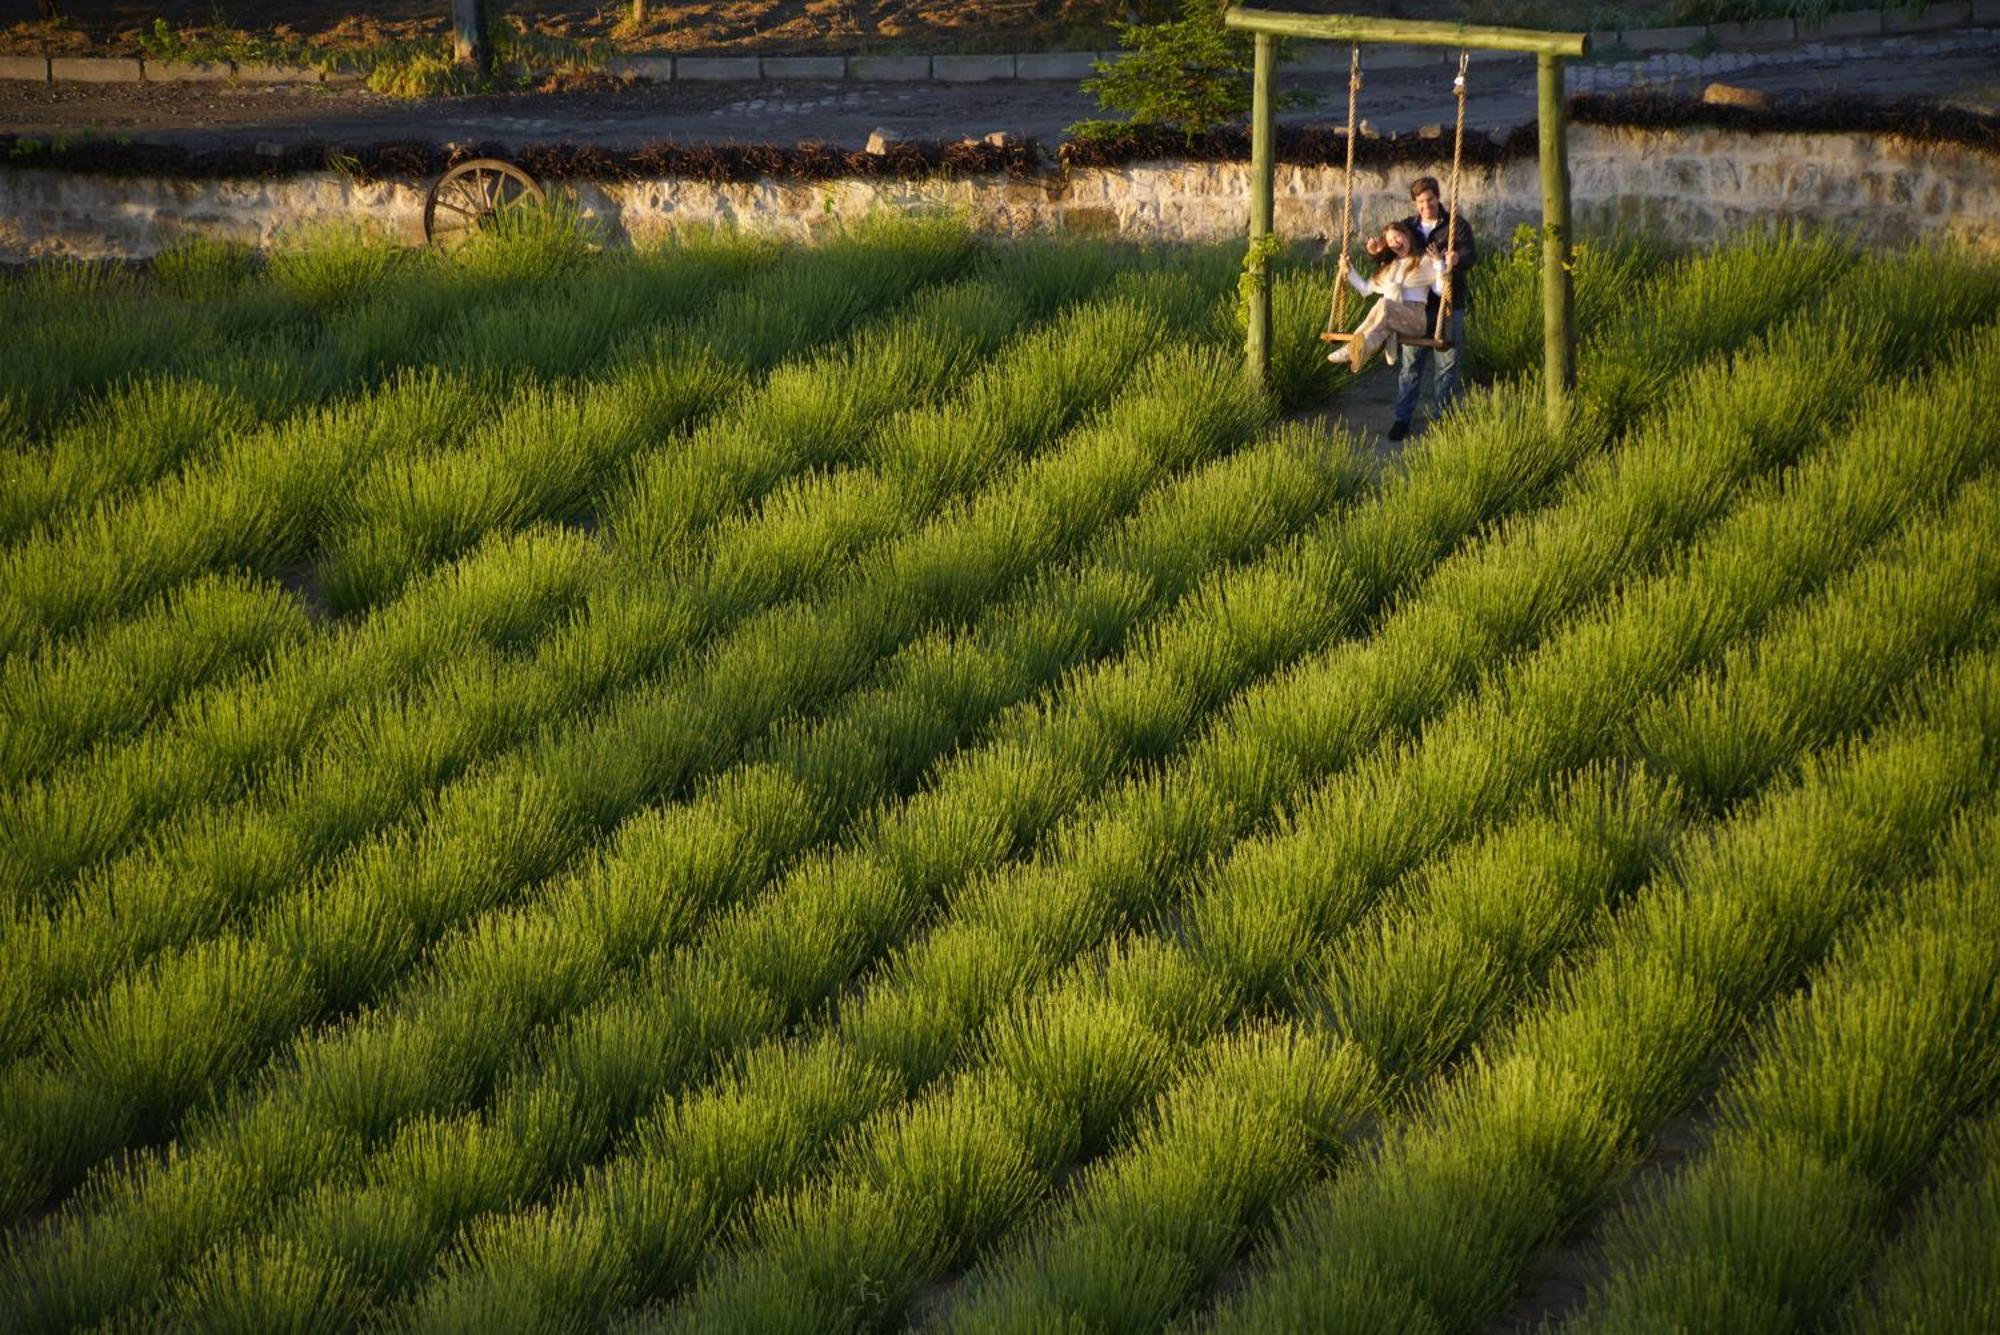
470,198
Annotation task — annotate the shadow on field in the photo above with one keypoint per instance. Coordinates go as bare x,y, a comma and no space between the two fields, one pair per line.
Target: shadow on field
1366,406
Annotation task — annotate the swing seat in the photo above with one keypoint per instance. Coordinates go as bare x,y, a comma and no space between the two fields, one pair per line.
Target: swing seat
1441,344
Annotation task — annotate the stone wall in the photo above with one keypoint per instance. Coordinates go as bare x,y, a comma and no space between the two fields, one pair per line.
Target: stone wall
1700,185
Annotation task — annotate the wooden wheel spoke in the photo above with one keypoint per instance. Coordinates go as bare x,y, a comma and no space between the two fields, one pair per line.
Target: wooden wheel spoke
472,195
468,192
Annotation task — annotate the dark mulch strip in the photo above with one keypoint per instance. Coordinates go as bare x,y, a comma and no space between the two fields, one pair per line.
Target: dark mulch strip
715,163
1922,122
1305,146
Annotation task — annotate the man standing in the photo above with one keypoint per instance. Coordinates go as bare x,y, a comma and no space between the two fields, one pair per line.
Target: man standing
1434,225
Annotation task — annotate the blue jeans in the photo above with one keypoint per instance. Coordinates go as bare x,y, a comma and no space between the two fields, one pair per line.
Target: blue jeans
1410,372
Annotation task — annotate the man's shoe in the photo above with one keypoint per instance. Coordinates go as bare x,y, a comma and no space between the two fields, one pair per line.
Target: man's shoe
1399,430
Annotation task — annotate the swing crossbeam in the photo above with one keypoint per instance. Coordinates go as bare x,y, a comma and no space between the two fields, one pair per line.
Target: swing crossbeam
1550,49
1407,32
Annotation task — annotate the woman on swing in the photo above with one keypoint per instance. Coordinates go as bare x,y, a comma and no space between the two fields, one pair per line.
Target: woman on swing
1405,277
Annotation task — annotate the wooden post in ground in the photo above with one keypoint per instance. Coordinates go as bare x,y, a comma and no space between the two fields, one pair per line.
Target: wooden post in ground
1558,347
1263,170
471,43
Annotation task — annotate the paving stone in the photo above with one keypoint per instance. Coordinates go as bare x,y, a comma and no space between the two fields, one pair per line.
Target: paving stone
90,69
1063,65
718,69
182,71
805,67
971,69
889,68
32,68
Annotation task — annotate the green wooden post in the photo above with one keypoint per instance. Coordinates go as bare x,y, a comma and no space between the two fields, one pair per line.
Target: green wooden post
471,45
1558,346
1263,135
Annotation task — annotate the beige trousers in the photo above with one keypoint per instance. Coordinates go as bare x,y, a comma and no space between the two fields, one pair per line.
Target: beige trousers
1383,329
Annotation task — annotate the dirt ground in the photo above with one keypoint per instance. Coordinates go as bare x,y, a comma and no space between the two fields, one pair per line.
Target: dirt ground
744,27
765,27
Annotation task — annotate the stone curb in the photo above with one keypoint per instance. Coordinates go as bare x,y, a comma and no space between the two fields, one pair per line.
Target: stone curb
971,69
1854,23
717,69
1066,66
89,69
889,69
200,71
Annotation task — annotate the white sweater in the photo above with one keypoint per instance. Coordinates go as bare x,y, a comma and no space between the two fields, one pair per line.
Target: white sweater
1413,279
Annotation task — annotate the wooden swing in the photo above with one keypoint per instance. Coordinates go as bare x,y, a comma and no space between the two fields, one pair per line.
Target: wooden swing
1336,313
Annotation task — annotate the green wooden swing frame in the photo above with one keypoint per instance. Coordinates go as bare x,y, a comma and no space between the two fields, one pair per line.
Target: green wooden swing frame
1550,49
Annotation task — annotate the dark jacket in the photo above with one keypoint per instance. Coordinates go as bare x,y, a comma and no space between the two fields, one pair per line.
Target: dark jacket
1468,255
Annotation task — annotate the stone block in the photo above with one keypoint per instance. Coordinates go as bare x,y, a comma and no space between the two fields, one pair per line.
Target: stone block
91,69
1986,13
718,69
1927,19
805,67
971,69
35,69
1730,95
1666,39
1091,221
180,71
646,69
276,74
1055,65
889,69
1759,32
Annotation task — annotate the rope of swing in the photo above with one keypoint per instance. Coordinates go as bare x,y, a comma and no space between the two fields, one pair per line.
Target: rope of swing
1451,218
1336,311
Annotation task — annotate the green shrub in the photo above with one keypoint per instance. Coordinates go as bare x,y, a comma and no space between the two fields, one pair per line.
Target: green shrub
1189,72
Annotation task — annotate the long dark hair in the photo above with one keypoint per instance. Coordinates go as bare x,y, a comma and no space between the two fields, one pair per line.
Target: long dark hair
1410,234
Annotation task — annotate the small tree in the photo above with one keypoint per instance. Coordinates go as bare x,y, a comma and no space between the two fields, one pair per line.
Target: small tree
1189,72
